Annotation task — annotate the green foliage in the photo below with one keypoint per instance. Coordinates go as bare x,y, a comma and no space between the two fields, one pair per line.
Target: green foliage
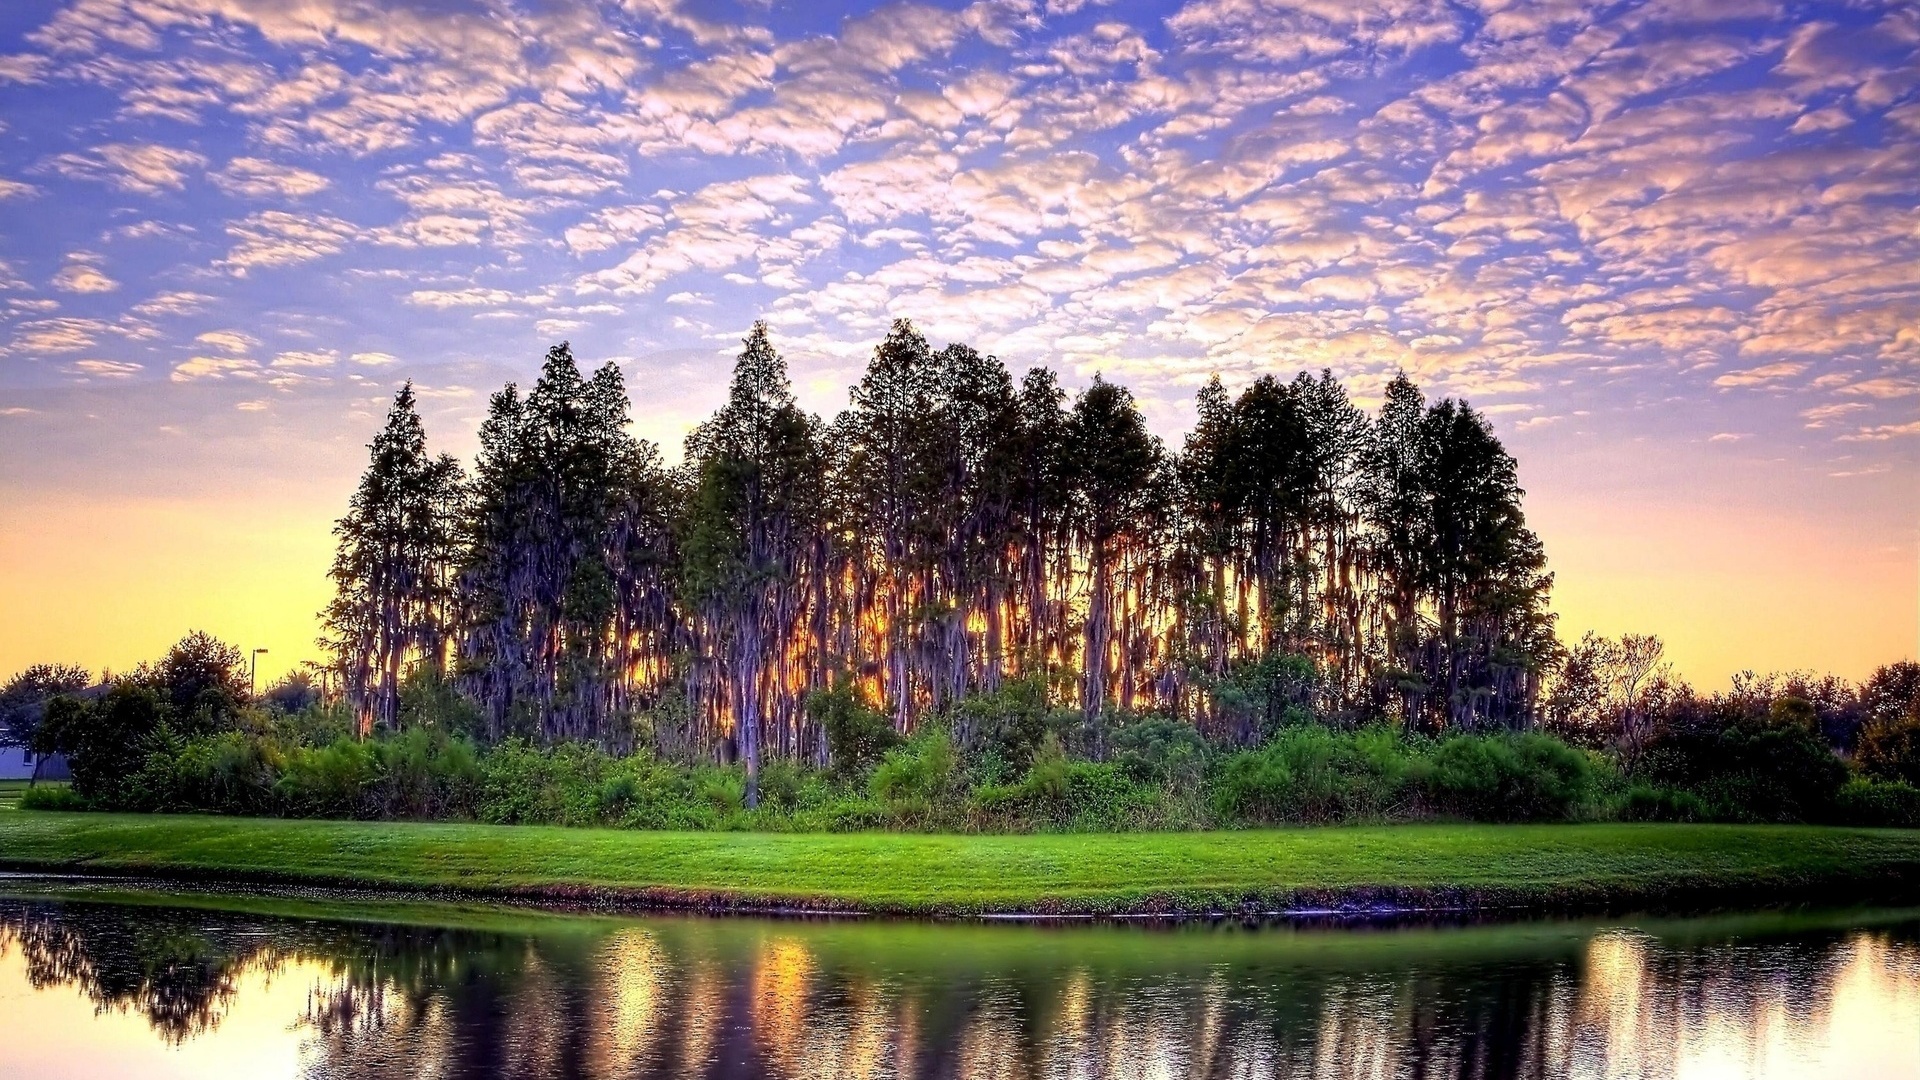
58,797
1308,773
1008,723
1749,771
23,698
1527,777
1894,804
105,740
912,777
1642,802
857,736
334,780
203,679
1258,697
1889,749
431,701
1080,796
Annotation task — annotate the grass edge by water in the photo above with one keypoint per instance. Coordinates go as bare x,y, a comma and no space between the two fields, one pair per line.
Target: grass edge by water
1538,868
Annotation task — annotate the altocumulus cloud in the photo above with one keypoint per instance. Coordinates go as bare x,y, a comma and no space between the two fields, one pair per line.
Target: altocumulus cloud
1695,197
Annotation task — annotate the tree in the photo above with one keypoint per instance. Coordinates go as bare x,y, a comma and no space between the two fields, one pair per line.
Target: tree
1119,500
1891,693
951,532
747,536
202,680
104,740
393,569
1889,745
1395,498
563,588
24,696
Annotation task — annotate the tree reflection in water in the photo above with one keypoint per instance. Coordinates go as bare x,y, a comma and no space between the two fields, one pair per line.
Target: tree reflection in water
686,997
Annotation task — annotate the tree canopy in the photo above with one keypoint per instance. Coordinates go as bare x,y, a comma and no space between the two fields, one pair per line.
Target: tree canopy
954,527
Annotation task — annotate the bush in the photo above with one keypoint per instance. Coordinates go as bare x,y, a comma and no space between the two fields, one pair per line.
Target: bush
331,781
1644,803
522,784
913,777
1750,771
1884,803
1891,750
1307,773
1009,723
1162,752
52,797
857,736
1526,777
225,774
425,774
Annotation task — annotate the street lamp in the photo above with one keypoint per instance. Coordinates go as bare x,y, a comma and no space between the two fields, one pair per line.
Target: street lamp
253,670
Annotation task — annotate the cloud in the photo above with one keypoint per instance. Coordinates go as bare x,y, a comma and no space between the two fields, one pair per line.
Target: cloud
1884,432
106,369
1821,415
258,178
140,168
455,298
214,367
82,274
1763,375
229,341
173,302
374,359
306,358
275,238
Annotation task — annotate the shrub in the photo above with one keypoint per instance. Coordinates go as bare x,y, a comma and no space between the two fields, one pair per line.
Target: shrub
913,777
1644,803
426,774
1886,803
1308,773
226,774
1163,752
857,736
330,781
522,784
1527,777
1008,723
1891,750
52,797
429,700
724,791
1254,786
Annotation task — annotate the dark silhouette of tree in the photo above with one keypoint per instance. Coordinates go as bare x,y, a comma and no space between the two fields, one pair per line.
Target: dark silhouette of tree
24,697
563,588
950,531
392,571
749,548
1119,503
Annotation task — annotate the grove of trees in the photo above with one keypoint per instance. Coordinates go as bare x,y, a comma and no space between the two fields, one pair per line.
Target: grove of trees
954,528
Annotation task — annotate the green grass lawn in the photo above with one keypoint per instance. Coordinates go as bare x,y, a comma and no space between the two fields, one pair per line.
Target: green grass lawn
10,793
1544,865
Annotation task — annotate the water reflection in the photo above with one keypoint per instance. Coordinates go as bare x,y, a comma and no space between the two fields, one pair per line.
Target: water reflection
98,989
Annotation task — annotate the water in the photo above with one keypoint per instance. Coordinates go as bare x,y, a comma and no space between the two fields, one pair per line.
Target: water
132,986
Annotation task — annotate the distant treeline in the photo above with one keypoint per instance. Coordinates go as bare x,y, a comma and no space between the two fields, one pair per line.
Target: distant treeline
952,530
183,734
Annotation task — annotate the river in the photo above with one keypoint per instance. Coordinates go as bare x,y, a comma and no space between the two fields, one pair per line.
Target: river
130,985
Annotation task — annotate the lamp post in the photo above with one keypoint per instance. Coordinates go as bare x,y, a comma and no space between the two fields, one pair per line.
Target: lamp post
253,671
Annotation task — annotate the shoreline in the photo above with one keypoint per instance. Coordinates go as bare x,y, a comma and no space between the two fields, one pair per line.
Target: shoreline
1339,872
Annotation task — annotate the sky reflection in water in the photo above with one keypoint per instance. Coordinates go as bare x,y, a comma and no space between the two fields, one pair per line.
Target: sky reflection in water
90,989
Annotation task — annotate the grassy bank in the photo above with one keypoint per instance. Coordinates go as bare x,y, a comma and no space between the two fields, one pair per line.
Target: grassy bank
1544,866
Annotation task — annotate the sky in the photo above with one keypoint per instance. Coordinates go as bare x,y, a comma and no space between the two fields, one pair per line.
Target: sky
1671,248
